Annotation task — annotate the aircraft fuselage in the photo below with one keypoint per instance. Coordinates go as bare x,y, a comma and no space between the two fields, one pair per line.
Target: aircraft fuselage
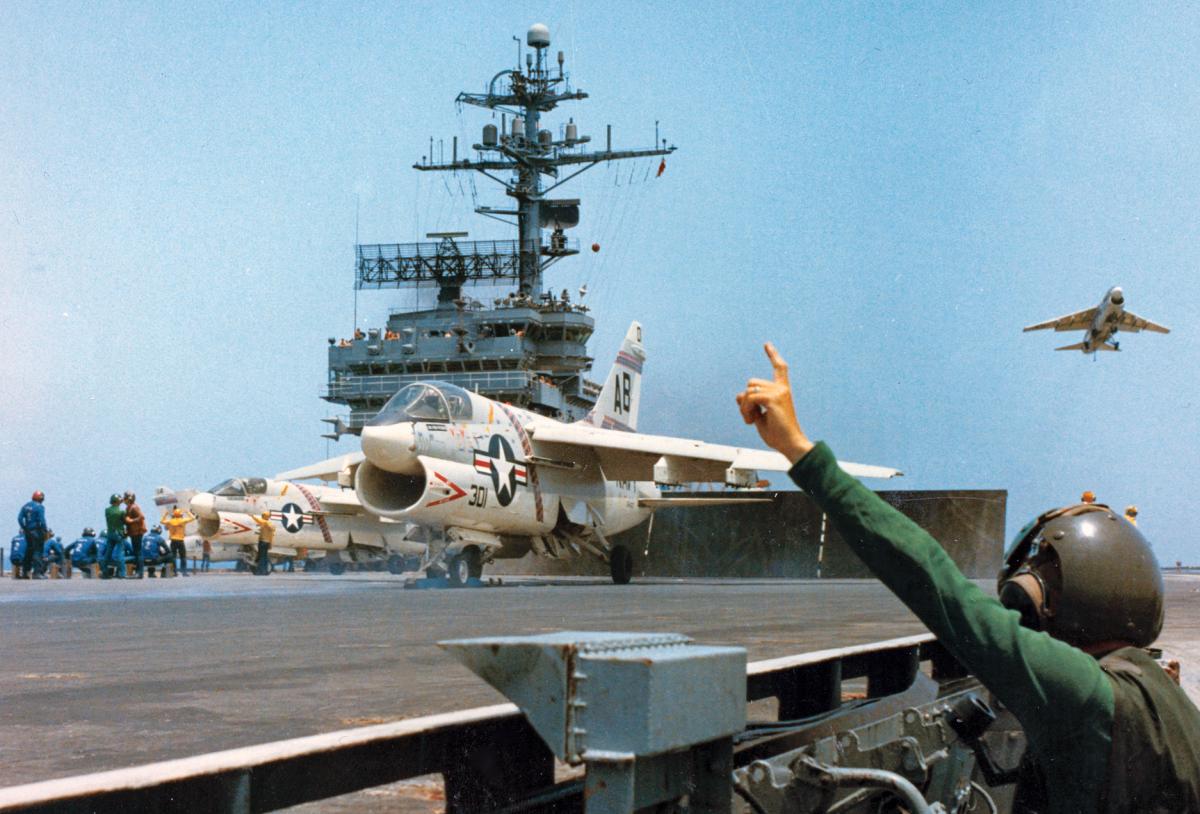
483,475
1107,319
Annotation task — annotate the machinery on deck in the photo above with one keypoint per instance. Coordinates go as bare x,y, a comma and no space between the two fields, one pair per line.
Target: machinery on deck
637,722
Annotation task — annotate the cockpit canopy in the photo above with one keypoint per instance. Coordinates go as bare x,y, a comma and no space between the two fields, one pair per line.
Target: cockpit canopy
425,401
240,487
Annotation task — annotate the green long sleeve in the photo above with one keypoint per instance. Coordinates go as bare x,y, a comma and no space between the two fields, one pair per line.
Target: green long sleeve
1059,693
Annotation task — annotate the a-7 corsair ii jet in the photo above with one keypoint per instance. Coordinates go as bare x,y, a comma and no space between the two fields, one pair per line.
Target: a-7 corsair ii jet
307,518
500,481
1101,324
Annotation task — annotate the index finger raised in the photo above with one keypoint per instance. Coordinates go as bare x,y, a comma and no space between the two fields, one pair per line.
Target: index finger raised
780,366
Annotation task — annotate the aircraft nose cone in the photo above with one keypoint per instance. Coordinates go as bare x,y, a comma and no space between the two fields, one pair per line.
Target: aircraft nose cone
391,448
203,505
1118,296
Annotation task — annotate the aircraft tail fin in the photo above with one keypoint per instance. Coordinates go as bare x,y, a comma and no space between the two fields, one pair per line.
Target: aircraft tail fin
617,407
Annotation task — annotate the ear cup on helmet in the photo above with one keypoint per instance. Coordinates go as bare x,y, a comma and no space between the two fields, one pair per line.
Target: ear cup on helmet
1024,593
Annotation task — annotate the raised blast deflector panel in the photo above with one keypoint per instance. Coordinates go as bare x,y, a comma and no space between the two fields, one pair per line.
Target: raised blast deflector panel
790,538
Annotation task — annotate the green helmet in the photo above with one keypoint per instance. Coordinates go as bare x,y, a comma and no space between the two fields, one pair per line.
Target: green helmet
114,500
1085,575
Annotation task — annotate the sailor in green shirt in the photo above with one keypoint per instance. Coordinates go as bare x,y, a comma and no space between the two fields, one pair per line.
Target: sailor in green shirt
114,520
1080,595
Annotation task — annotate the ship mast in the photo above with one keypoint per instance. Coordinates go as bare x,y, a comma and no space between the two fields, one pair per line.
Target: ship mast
527,153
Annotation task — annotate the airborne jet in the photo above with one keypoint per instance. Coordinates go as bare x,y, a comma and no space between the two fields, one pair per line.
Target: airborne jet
1101,323
498,482
307,519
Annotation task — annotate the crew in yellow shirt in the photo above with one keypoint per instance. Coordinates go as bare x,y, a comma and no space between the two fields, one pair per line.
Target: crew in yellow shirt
266,536
176,525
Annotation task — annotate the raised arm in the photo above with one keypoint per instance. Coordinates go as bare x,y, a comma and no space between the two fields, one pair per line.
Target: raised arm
1030,672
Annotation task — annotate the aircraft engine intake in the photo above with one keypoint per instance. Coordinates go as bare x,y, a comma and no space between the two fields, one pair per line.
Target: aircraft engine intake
387,494
209,527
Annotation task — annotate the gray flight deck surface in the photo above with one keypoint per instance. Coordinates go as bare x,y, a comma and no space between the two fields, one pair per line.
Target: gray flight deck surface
103,674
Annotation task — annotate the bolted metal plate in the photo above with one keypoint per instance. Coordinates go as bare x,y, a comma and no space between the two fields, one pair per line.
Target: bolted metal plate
633,694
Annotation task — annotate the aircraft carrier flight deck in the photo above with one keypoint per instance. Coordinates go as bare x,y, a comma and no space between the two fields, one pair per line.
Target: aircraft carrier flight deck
117,675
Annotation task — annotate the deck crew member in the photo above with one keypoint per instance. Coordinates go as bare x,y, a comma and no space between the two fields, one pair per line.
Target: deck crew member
85,551
32,519
1131,514
1080,596
16,553
266,536
155,551
176,525
52,552
135,527
114,553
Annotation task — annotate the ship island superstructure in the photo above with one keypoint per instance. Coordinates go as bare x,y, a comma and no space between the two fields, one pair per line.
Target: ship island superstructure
527,346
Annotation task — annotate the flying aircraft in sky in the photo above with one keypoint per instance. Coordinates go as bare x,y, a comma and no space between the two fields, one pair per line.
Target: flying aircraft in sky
1101,324
498,481
307,519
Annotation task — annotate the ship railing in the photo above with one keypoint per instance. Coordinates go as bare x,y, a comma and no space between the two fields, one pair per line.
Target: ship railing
272,776
386,386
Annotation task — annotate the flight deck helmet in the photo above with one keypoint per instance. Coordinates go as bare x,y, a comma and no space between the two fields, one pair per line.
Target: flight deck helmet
114,500
39,496
89,532
1084,575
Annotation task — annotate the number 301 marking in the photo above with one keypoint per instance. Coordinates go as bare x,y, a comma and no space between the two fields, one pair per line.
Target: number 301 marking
479,495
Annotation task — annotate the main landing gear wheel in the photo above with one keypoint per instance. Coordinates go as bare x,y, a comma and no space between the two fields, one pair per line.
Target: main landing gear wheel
620,564
337,568
395,564
464,566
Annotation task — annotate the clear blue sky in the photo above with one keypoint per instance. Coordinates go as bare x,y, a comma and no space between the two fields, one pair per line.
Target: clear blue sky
887,193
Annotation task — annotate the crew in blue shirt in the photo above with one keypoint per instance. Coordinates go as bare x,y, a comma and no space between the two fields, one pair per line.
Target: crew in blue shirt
154,550
52,552
16,550
32,520
85,551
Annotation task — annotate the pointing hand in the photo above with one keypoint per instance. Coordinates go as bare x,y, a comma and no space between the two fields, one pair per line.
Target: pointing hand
768,406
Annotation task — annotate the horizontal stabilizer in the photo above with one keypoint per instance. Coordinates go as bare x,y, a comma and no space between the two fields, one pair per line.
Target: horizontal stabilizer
1080,346
663,502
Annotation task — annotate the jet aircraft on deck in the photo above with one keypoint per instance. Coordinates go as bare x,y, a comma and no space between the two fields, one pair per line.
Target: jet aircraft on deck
495,481
307,519
1101,324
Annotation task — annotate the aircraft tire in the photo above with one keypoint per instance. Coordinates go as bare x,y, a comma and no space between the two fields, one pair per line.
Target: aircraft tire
395,564
620,564
466,565
337,568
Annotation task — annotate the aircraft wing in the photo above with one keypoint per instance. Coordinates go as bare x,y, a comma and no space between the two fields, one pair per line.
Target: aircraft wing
663,502
1071,322
632,456
327,470
1132,323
